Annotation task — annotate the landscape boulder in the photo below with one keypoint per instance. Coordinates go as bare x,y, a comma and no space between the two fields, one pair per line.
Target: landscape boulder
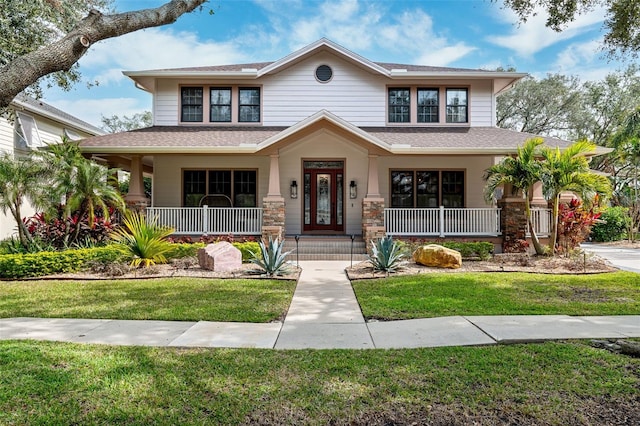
220,257
438,256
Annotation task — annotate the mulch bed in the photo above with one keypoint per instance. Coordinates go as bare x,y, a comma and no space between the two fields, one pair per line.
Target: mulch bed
584,264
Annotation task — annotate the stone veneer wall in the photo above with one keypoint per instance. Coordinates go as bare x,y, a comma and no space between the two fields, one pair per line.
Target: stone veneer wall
273,215
372,220
513,221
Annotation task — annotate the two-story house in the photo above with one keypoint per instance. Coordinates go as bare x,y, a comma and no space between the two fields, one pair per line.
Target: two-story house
32,124
322,141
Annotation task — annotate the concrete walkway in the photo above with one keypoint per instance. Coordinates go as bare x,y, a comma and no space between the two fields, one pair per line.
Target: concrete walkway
627,259
324,314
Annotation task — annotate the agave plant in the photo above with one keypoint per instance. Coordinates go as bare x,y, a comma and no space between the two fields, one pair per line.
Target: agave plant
271,258
143,239
387,255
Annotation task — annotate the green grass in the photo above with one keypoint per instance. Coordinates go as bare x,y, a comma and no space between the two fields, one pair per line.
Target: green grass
434,295
178,299
551,383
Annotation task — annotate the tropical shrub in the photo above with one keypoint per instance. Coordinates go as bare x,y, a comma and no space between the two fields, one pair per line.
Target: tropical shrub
143,239
387,255
60,232
270,258
574,224
18,266
612,225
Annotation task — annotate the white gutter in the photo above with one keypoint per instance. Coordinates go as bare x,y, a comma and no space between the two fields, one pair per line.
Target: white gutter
55,117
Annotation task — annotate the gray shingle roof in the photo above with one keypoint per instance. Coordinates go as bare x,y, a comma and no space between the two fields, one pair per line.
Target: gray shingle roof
454,138
40,105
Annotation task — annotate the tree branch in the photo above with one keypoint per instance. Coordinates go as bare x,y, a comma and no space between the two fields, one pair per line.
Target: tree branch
64,53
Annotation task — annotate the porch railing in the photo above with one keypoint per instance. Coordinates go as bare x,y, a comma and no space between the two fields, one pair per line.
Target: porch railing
443,222
541,221
210,220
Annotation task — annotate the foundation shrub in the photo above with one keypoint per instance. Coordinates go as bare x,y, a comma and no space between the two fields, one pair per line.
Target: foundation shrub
612,225
17,266
468,249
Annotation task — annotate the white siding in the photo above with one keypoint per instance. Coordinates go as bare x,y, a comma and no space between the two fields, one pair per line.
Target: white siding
481,104
6,135
165,103
324,145
352,94
474,167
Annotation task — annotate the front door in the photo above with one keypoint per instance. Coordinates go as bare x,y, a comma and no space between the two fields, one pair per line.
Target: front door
323,196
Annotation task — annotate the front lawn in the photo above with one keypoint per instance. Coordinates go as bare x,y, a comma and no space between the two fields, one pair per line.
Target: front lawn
550,383
176,299
445,294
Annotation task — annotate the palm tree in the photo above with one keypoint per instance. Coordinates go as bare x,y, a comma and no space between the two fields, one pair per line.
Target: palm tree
568,170
22,178
90,191
521,172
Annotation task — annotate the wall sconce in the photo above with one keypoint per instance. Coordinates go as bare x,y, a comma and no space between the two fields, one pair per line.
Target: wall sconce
353,190
294,189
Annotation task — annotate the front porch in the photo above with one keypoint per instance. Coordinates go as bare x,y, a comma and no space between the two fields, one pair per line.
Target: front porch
430,222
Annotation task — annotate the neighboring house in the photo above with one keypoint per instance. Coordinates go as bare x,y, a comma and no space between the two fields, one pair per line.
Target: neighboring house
322,141
32,124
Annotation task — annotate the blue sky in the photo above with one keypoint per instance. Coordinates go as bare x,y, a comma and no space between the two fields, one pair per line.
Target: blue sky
457,33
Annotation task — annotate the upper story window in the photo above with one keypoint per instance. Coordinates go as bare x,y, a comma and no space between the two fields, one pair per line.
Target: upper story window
249,104
428,106
191,100
220,104
457,106
399,105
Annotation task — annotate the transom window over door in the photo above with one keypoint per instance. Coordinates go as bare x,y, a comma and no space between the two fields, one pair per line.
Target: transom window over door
222,188
399,105
427,188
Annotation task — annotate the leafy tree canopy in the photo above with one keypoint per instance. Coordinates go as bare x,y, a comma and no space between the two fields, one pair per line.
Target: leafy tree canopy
46,38
115,123
622,31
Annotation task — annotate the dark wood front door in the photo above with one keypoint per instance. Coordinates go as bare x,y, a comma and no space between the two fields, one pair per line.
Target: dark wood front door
323,196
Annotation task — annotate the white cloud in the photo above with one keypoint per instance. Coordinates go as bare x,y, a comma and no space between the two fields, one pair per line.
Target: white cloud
578,54
530,37
91,110
156,48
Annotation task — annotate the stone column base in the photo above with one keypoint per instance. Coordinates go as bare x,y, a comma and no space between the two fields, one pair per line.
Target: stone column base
272,232
513,223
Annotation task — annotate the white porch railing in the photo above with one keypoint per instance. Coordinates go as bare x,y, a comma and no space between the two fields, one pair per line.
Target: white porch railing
541,221
209,220
443,222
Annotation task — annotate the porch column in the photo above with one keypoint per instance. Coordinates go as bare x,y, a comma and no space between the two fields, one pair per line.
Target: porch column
537,199
273,212
373,205
135,198
373,185
513,223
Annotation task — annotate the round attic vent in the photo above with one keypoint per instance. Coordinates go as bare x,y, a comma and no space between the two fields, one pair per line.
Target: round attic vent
324,73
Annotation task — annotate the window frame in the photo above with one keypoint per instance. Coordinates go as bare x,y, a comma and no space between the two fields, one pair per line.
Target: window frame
229,105
465,106
232,183
407,105
183,104
419,107
253,105
440,186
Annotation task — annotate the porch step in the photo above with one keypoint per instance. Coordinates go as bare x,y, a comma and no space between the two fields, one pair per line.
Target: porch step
325,248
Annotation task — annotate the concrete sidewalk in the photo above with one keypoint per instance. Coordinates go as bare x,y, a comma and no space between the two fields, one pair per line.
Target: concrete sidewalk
627,259
324,314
